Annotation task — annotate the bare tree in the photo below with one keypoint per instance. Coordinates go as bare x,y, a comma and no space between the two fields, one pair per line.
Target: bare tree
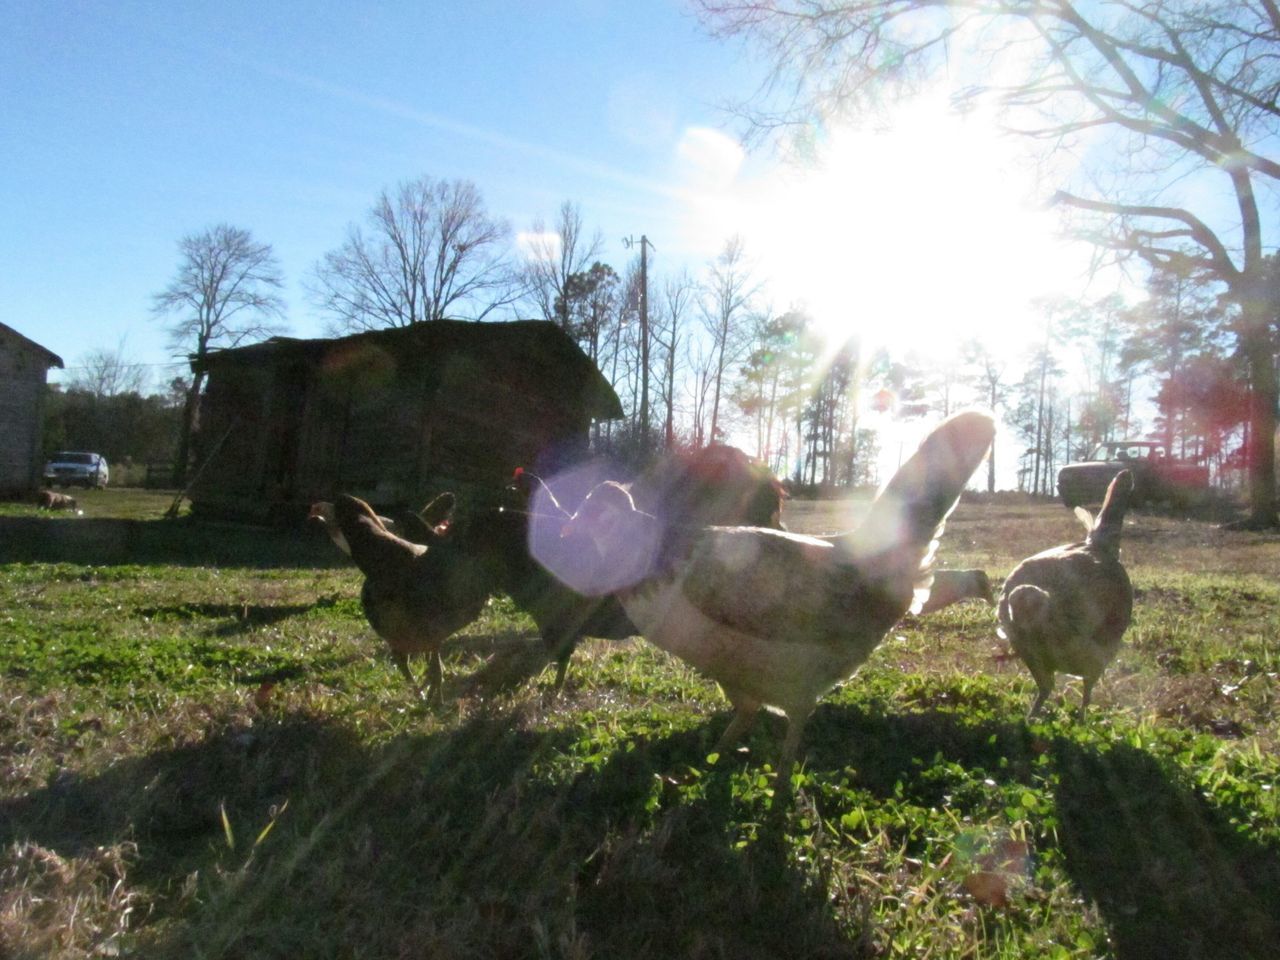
702,371
107,373
727,294
431,252
614,342
777,342
1093,328
669,333
554,257
1159,103
984,373
588,304
832,419
1040,396
224,294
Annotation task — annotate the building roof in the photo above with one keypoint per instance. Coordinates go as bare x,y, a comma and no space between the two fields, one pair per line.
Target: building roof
537,343
51,358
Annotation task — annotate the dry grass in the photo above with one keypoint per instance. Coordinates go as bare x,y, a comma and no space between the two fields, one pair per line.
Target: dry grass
53,906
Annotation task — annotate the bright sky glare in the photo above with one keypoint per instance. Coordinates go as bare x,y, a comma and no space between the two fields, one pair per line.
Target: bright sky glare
913,239
133,124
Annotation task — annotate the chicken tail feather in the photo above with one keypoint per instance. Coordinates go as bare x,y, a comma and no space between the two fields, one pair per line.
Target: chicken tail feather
1107,528
909,515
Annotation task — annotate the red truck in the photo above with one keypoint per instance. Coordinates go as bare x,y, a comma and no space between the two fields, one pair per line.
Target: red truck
1157,476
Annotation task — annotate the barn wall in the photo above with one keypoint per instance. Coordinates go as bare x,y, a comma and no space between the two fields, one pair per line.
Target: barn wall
391,419
232,441
490,425
399,430
325,419
23,378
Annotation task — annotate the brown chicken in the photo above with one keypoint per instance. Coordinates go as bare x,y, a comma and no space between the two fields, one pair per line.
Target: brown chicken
470,557
1066,609
410,606
414,527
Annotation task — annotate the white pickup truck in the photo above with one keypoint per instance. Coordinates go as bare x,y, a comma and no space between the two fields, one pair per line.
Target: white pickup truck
73,468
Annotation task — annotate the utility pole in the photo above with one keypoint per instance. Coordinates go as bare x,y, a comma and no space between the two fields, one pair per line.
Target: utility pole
645,246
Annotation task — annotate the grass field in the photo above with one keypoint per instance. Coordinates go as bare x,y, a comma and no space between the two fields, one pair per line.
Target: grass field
204,752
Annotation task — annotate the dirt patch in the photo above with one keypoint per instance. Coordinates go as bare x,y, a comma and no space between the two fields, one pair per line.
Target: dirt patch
998,535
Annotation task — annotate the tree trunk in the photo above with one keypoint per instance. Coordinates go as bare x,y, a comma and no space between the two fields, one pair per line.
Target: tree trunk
991,454
1035,479
190,408
644,345
715,396
799,448
1262,413
669,429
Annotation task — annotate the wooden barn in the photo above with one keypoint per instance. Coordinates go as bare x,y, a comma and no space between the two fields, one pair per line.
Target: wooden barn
24,371
394,416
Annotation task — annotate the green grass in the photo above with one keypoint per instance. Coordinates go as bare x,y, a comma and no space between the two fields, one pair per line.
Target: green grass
204,752
125,503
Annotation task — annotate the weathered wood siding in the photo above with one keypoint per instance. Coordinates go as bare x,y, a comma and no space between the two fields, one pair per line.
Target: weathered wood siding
24,368
394,417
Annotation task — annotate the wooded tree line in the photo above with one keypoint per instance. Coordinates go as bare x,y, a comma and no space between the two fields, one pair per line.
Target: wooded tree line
106,407
1158,122
1166,113
723,365
1168,368
693,358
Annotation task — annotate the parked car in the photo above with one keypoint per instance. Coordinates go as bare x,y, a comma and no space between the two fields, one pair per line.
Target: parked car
1156,475
74,468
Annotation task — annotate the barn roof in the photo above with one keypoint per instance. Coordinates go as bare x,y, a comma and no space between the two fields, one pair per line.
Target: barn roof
51,359
534,342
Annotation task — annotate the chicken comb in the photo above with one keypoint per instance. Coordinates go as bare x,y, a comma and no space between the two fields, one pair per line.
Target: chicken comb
518,474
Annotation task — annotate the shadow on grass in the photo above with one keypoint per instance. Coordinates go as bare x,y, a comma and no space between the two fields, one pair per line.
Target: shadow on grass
452,845
469,843
182,542
238,617
1171,874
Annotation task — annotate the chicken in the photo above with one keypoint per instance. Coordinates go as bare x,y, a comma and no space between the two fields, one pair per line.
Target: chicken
953,586
718,484
414,527
778,619
491,549
323,513
562,615
715,485
48,500
407,603
1065,610
442,574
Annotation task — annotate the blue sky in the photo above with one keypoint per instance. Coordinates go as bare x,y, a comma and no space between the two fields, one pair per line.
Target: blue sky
129,125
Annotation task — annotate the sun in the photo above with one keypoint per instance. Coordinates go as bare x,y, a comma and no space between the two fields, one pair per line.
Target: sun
917,238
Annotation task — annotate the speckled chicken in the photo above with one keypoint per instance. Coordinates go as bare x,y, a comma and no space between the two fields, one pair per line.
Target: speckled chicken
776,618
717,484
1066,609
